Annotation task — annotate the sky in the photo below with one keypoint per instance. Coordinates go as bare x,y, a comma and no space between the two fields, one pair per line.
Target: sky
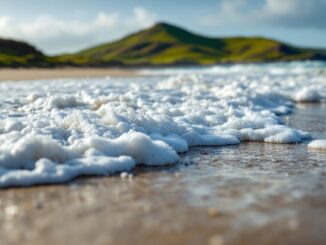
60,26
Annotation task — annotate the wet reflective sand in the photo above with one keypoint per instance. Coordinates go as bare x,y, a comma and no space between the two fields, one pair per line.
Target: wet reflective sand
253,193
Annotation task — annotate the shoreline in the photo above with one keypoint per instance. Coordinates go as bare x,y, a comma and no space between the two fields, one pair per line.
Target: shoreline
11,74
203,184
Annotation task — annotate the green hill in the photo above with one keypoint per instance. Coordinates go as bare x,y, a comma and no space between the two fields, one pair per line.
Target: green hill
162,44
165,44
20,54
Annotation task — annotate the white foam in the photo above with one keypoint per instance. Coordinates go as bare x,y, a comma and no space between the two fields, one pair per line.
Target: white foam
53,131
47,171
137,145
308,94
318,144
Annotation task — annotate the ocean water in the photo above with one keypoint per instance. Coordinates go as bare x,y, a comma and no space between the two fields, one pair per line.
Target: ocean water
52,131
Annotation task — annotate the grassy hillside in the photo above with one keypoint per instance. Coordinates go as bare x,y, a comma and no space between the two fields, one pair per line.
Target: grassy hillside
162,44
20,54
165,44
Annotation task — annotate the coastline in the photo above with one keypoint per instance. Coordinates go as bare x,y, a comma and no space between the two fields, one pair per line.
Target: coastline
11,74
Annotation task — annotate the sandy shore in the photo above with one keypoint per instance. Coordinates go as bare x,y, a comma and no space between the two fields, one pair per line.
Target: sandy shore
252,193
37,73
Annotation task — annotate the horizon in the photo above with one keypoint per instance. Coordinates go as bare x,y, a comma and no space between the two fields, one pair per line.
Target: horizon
57,27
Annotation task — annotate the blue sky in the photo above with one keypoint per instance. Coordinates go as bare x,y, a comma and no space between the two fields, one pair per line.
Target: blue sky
57,26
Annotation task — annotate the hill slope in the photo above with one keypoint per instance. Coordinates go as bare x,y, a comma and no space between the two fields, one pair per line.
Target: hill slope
20,54
162,44
165,44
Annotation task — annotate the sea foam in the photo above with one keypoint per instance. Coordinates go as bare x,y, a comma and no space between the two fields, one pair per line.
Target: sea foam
318,144
54,130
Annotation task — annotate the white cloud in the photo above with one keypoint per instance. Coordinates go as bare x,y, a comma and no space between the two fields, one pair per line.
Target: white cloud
281,13
56,35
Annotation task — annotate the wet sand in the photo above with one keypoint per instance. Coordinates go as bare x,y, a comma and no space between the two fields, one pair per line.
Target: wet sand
253,193
38,73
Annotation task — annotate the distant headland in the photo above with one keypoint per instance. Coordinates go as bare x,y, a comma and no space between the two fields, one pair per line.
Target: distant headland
160,45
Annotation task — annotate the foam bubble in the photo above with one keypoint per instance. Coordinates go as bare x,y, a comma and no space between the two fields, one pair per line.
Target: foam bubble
318,144
55,132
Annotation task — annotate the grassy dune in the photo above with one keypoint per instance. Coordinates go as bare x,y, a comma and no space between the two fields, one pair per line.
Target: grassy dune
165,44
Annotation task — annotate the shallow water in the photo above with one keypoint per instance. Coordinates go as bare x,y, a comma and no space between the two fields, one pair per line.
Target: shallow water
52,131
252,193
